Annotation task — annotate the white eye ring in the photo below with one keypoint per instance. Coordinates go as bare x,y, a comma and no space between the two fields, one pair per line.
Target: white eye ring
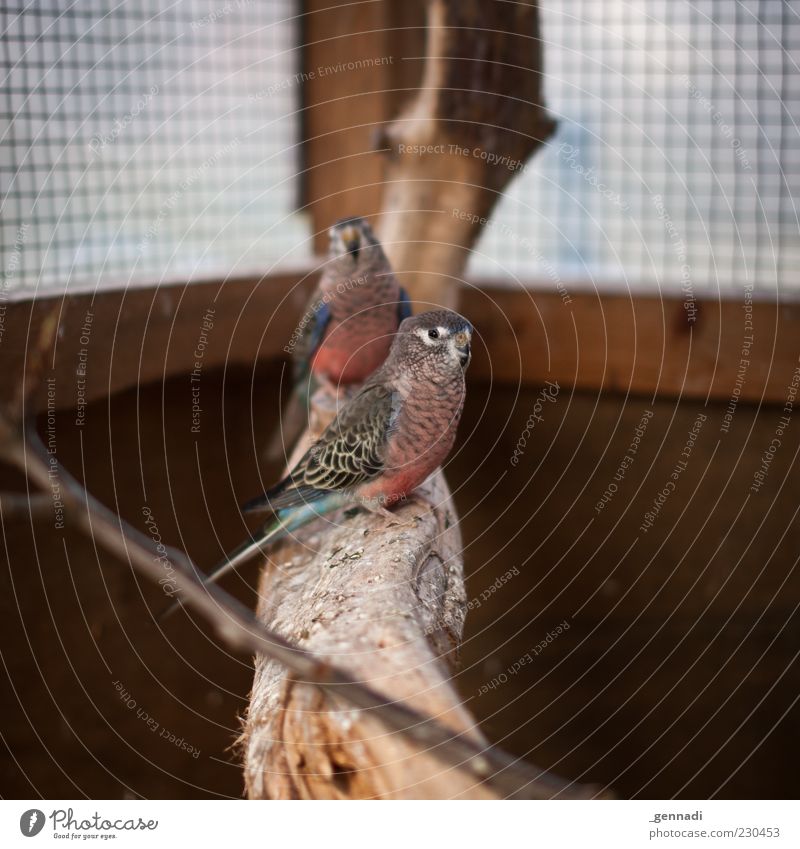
425,335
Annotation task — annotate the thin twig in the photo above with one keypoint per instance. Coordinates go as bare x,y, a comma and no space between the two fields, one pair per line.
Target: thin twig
17,506
35,364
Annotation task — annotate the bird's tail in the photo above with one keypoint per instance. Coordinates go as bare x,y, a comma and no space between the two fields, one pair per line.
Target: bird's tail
286,521
293,422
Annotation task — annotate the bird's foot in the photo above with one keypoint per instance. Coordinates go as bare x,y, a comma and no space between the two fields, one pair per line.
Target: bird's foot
421,501
380,510
397,522
393,518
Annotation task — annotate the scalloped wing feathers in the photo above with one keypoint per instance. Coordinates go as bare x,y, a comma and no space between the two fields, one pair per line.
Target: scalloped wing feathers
350,451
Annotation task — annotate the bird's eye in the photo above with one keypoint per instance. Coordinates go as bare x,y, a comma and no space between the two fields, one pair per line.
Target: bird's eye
433,333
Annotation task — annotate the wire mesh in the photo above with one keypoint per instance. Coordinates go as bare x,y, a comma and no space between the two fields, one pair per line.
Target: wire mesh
147,141
677,157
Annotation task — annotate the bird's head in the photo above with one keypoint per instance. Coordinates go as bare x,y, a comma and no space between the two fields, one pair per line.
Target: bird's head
440,340
352,244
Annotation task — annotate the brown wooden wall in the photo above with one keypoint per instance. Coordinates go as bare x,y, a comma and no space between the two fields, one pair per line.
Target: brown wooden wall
677,666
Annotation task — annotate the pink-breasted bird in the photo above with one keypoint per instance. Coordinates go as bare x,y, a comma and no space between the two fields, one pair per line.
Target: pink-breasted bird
349,323
385,441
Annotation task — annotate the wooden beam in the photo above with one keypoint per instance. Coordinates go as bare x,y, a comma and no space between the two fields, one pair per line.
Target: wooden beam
634,344
639,344
360,61
117,338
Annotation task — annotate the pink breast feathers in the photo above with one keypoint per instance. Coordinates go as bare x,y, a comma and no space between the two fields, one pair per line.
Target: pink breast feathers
392,487
342,361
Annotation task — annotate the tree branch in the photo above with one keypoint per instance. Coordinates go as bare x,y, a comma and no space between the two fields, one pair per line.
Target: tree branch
477,118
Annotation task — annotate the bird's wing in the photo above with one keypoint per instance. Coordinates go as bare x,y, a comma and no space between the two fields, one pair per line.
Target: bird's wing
349,452
314,323
403,306
317,316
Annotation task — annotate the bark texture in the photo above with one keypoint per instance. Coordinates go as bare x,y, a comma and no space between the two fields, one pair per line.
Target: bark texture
477,118
387,603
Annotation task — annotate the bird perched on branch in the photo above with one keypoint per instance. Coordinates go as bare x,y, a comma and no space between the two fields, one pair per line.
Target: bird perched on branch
347,328
385,441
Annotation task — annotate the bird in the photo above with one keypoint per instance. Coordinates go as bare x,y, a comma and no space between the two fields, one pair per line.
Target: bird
385,441
347,327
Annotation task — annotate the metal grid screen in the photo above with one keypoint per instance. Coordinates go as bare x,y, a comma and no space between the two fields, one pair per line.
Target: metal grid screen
147,141
158,142
677,158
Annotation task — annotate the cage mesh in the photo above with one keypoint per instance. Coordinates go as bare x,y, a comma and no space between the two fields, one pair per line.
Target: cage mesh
677,156
147,141
151,141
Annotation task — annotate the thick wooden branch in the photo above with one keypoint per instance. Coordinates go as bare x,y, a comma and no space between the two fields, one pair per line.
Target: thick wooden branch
387,603
475,121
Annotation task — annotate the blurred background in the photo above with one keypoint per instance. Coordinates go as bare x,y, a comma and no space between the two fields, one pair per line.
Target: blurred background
160,161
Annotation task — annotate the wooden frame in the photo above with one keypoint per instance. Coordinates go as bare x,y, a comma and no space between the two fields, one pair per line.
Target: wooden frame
635,344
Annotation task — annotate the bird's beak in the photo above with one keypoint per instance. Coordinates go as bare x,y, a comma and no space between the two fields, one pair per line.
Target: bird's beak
463,349
351,241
